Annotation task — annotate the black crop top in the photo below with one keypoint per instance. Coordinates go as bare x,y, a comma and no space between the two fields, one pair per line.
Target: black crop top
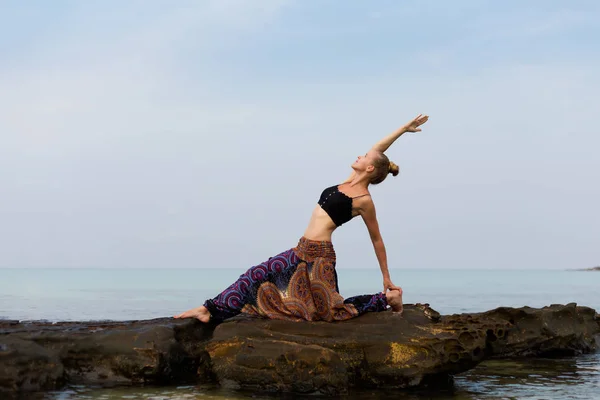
337,205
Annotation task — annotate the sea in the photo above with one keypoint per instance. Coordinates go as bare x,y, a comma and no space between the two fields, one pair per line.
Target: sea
69,294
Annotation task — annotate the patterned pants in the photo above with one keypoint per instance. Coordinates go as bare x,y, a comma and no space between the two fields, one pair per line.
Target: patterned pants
298,284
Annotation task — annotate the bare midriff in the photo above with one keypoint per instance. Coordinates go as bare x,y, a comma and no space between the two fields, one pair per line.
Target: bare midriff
320,227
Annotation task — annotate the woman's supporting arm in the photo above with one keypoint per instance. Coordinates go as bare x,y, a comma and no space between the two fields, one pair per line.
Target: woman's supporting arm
367,211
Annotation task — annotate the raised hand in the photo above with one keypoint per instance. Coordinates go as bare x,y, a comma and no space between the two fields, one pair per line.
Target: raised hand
413,126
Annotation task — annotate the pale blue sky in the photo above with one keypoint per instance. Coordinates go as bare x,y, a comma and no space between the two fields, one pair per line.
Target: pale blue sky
201,133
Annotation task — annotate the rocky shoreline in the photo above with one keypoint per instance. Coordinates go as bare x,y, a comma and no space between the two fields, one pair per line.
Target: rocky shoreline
383,350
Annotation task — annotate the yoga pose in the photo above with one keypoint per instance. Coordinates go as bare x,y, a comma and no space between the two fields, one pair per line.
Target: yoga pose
301,283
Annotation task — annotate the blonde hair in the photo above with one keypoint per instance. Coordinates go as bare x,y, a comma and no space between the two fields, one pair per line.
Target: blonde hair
383,167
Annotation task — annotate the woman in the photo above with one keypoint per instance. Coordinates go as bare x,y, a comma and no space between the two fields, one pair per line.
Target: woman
301,283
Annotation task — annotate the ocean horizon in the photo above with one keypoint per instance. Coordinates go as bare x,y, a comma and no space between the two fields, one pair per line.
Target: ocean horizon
71,294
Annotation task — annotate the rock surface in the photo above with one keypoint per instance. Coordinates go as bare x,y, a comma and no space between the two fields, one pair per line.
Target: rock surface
375,350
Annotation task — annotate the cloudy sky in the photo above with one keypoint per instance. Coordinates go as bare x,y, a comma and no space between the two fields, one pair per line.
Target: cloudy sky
201,133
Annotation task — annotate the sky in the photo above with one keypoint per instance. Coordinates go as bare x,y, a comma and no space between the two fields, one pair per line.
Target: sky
200,134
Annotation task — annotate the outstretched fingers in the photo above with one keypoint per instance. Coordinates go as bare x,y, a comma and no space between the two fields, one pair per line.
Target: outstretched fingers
421,119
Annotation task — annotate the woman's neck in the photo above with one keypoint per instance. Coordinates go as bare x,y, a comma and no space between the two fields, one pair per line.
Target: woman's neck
360,179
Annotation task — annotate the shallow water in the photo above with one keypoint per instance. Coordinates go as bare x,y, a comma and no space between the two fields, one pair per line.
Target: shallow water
96,294
565,378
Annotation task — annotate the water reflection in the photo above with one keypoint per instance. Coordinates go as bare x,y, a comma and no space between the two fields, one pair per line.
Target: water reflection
197,393
573,378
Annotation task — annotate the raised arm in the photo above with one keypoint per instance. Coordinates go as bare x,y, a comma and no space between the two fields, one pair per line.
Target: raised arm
412,126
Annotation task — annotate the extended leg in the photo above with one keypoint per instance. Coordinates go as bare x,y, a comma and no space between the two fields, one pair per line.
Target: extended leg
368,303
376,302
201,313
232,300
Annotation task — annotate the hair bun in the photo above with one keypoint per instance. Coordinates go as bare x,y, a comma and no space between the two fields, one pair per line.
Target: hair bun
394,169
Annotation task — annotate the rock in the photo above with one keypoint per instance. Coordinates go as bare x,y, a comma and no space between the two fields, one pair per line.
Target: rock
379,350
589,269
551,331
26,366
44,356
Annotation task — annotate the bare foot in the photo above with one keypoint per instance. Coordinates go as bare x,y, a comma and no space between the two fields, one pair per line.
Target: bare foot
394,299
201,313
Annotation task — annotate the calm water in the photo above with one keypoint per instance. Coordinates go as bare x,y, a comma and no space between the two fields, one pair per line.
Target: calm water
122,294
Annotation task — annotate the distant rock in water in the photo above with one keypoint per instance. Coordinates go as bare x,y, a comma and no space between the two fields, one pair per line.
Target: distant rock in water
378,350
590,269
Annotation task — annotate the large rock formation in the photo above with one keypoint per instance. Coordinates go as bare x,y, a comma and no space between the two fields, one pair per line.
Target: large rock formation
375,350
